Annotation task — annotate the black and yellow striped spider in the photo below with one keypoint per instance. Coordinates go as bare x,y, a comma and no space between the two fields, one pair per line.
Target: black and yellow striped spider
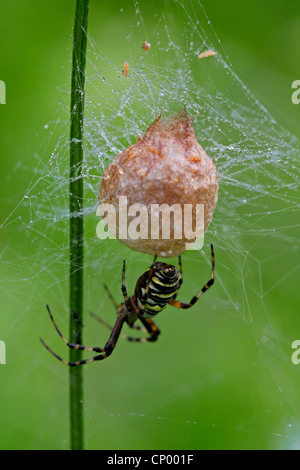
155,289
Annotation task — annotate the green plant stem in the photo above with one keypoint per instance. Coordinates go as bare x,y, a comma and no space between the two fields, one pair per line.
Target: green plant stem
76,219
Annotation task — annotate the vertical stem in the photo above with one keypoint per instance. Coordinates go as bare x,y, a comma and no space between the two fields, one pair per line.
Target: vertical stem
76,219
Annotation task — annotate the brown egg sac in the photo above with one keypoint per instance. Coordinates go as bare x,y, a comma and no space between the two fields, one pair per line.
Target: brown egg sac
165,166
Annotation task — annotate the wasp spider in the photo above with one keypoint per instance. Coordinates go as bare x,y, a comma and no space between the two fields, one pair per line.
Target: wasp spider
155,289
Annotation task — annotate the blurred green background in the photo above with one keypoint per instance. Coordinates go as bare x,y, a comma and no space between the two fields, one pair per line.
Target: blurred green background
208,383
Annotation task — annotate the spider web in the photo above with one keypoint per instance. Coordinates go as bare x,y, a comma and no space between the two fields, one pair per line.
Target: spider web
229,379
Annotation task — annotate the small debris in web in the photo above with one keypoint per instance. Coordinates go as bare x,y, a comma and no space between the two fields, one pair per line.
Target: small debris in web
125,69
146,46
206,54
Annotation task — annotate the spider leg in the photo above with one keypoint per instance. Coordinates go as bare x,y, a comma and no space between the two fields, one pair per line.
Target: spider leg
179,304
152,329
111,297
98,319
149,325
71,345
107,350
138,327
72,364
107,325
144,301
124,290
129,303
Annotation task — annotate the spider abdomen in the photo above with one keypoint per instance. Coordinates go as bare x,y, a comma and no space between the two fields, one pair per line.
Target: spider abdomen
156,288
